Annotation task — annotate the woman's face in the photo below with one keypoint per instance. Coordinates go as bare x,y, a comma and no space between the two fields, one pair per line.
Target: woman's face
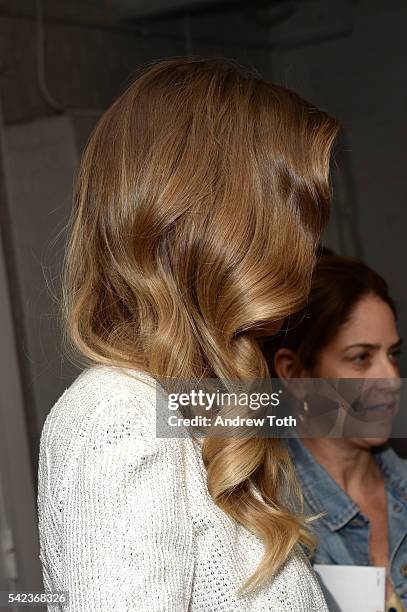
367,346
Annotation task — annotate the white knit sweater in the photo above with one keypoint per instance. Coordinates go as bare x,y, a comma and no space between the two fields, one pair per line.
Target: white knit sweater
126,521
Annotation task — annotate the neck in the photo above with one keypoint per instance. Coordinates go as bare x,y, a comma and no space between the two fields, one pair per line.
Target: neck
353,468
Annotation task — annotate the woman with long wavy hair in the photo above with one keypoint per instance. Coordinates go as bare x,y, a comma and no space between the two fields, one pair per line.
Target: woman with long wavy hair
200,198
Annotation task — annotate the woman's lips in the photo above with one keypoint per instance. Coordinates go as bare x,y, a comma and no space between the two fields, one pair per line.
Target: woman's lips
383,409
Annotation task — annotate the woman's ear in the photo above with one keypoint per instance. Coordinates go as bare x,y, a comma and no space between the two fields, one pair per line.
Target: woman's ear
284,363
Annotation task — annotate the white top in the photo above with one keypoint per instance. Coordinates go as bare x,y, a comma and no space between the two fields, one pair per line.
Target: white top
126,520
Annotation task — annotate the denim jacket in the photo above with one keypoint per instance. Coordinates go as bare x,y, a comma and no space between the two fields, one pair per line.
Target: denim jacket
343,533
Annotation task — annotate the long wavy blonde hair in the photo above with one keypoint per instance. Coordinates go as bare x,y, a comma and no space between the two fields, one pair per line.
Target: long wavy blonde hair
199,201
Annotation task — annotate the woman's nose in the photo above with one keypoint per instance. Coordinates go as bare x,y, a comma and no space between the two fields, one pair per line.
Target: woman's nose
389,372
386,369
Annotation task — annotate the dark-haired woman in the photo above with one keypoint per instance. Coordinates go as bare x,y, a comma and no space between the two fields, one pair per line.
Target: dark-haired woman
349,331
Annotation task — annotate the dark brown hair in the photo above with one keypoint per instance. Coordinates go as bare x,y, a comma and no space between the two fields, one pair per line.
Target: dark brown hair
338,283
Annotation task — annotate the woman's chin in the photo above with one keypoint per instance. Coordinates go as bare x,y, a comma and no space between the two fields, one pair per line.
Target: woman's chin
379,441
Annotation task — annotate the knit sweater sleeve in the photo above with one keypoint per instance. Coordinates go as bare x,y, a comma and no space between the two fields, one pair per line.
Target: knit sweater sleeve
126,538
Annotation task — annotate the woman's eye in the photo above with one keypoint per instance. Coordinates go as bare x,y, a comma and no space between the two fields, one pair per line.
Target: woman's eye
395,355
362,358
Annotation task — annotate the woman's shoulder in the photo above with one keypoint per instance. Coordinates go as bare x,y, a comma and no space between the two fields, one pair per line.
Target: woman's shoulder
103,385
107,415
102,401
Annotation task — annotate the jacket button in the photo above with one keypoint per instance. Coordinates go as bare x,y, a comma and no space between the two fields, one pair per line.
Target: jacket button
403,569
397,508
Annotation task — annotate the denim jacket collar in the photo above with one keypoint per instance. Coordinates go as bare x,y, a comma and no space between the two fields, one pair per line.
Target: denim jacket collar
323,494
394,469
